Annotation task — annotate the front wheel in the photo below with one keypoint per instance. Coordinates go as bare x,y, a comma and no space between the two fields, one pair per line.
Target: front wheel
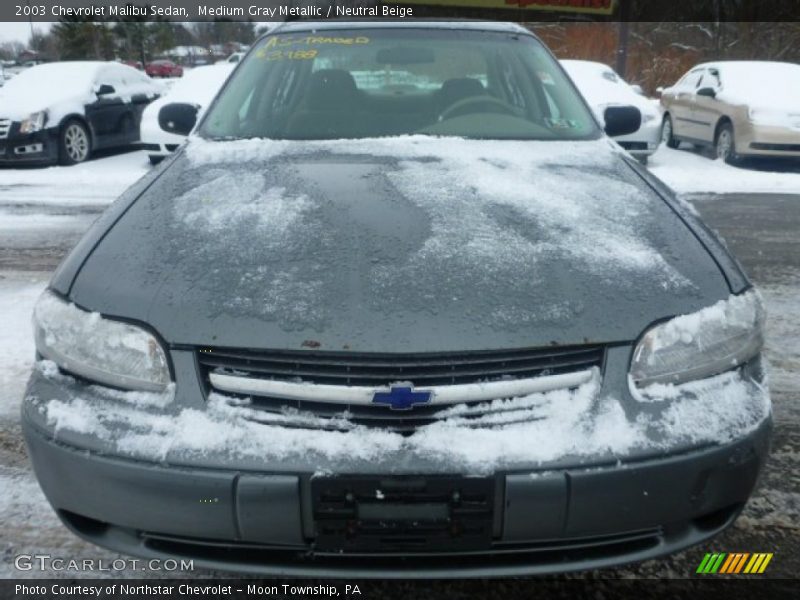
667,133
74,144
725,144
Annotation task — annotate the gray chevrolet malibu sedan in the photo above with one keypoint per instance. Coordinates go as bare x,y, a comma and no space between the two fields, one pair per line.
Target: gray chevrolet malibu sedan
398,308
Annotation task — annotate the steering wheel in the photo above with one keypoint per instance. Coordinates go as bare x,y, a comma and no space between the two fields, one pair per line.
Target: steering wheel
470,105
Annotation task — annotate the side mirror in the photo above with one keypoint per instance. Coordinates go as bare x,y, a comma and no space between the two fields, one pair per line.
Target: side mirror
105,90
178,118
622,120
707,92
660,90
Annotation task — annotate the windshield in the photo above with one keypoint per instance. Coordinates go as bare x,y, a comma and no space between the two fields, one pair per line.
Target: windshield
387,82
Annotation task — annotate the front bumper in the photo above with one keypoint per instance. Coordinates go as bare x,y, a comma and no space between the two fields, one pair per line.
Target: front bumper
40,148
551,521
764,140
264,516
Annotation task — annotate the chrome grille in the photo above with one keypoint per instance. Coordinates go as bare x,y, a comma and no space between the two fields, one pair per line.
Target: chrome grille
348,369
5,128
378,370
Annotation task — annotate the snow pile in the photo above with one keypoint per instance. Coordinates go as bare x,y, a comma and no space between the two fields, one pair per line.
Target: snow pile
557,424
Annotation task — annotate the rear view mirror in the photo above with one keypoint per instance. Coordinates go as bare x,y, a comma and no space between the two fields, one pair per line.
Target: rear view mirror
178,118
707,92
622,120
105,90
404,55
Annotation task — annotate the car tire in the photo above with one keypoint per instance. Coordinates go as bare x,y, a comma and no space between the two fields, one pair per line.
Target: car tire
74,143
668,133
155,159
725,144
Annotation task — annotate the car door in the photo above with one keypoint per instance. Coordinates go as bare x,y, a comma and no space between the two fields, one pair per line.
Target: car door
104,113
679,100
707,109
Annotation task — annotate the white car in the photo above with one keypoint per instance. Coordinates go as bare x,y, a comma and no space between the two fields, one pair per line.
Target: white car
602,87
198,87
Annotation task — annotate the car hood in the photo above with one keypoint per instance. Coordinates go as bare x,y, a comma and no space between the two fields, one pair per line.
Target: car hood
17,106
403,244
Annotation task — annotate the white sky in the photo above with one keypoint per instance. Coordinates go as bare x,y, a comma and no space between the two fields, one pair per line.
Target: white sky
19,31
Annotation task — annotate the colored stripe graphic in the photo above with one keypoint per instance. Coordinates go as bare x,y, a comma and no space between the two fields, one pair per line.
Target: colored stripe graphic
733,563
703,564
764,564
715,567
758,563
711,563
741,563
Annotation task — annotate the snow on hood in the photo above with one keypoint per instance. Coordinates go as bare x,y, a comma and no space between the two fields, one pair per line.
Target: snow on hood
437,244
439,174
555,425
49,86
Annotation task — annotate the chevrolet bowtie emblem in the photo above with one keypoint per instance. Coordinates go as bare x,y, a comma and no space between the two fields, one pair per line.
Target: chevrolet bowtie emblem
402,396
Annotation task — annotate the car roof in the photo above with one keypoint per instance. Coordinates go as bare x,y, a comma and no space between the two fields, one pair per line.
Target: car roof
464,25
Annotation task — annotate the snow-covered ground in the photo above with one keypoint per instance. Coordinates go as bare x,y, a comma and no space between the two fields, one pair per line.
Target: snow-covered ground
98,181
18,292
689,172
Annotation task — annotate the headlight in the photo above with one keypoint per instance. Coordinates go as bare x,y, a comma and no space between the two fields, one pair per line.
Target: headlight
768,116
34,122
701,344
106,351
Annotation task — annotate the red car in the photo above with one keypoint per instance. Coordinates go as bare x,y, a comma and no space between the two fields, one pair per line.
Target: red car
163,68
136,64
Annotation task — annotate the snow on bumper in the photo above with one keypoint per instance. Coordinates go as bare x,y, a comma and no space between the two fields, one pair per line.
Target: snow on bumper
590,424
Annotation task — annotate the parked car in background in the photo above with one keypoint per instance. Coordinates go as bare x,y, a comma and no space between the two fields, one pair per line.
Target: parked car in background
740,108
235,57
441,328
197,87
61,112
163,68
602,87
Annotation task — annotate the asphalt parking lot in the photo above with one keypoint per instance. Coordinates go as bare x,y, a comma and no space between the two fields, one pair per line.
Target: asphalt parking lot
761,229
